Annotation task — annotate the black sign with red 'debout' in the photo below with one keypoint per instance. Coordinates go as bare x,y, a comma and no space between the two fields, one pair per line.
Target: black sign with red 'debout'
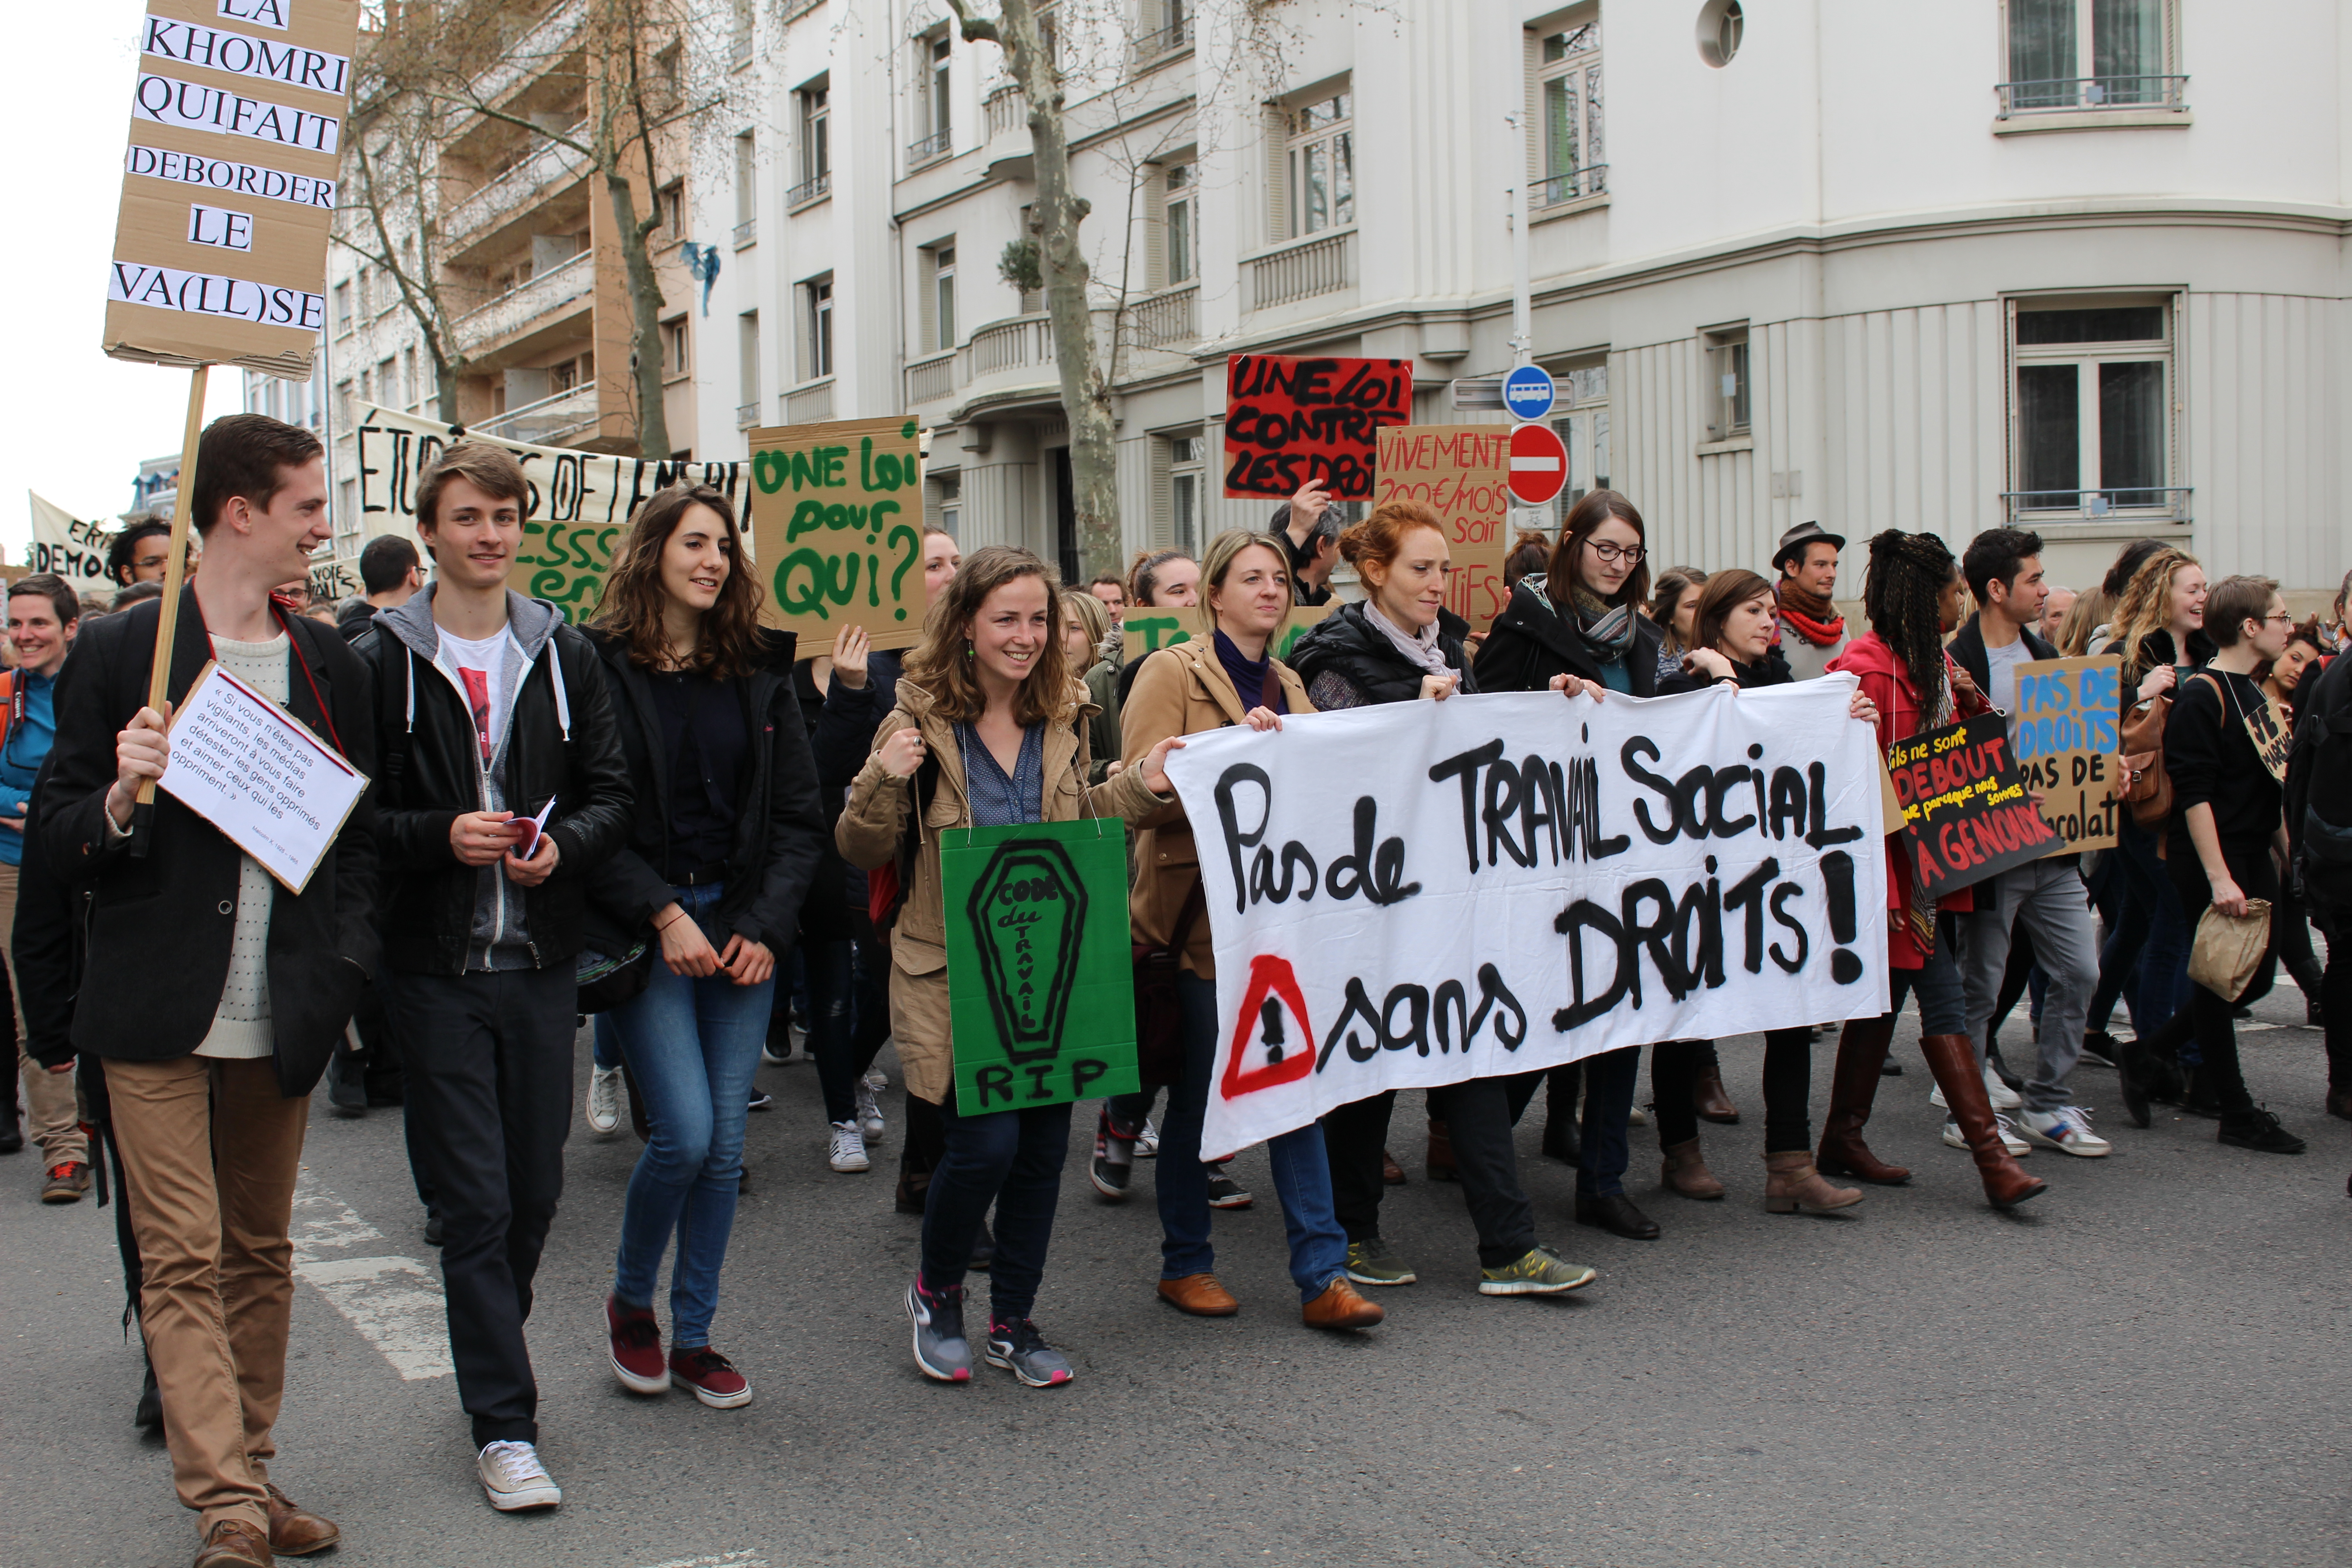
1290,421
1966,814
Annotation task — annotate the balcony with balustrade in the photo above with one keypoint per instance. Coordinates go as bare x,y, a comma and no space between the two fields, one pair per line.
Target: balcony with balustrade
1302,269
522,185
557,420
560,291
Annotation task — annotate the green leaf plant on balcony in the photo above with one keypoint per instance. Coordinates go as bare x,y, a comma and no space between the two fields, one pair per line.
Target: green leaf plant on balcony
1020,265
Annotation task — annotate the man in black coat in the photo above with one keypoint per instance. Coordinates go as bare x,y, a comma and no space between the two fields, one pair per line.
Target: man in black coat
244,985
490,712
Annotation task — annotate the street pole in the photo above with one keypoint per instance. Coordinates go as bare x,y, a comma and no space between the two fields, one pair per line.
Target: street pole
1523,312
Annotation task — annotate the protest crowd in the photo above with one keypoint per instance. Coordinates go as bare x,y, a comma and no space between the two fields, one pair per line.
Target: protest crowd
666,823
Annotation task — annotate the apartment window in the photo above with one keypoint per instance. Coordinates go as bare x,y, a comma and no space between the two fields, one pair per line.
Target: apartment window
947,500
747,189
344,410
747,370
1569,147
343,306
1580,417
347,515
943,296
2090,54
677,348
1320,164
816,347
1727,384
939,81
1167,28
668,75
387,382
1178,214
816,144
2091,410
739,47
408,377
673,210
1186,456
564,377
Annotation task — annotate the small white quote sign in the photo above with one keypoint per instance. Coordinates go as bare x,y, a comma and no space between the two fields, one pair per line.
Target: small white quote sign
257,773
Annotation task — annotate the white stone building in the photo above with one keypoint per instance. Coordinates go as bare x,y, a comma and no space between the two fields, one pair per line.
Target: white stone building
2081,263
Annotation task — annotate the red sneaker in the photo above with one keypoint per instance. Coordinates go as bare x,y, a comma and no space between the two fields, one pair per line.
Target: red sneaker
712,1377
637,1347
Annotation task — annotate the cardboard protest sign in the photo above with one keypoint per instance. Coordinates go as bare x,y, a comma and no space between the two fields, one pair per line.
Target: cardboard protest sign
1289,421
2273,738
1966,814
1464,472
1148,631
1041,979
579,504
841,530
1508,882
74,549
2067,734
220,244
257,773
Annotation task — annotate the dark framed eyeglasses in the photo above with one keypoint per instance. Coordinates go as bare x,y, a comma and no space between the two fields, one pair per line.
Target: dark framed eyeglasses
1631,553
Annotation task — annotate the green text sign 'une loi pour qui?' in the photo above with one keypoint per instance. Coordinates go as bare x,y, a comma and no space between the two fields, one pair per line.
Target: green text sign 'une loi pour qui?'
839,534
1041,980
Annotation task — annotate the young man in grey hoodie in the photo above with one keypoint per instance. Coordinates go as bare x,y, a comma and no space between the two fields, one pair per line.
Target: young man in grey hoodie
491,716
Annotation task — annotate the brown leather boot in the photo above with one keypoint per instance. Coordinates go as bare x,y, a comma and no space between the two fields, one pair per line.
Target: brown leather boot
1953,1059
1392,1172
1340,1307
295,1530
1686,1172
1793,1184
1440,1162
232,1543
1853,1087
1708,1099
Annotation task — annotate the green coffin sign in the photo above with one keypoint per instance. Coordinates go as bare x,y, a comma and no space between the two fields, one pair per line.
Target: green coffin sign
1041,983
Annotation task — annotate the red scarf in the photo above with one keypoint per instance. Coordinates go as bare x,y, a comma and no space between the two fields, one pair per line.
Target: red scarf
1818,623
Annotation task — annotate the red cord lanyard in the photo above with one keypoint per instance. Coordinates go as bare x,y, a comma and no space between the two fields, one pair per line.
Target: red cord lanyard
295,651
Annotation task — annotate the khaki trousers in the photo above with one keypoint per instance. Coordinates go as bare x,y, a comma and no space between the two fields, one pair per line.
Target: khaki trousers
210,1150
52,1110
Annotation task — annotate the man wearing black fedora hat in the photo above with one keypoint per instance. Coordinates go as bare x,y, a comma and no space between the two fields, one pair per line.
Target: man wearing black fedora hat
1808,630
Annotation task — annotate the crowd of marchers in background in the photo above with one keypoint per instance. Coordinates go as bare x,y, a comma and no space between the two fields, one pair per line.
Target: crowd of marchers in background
728,855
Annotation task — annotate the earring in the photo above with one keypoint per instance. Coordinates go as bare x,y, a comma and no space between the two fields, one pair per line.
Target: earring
967,651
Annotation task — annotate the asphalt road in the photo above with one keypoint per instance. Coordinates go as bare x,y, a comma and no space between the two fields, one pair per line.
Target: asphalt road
2146,1367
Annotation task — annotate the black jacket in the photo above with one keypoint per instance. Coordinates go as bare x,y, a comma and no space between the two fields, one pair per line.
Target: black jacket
1532,641
1770,670
1967,650
780,830
45,945
160,925
1345,644
563,744
841,724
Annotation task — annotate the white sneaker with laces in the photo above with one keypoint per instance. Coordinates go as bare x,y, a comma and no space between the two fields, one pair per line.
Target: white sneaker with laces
877,1080
2003,1098
868,1115
2066,1130
2018,1147
1147,1142
512,1478
603,1098
848,1151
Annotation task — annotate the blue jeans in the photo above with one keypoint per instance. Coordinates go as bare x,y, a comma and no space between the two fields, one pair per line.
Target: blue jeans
1302,1176
1013,1160
1943,998
693,1046
1608,1082
607,1054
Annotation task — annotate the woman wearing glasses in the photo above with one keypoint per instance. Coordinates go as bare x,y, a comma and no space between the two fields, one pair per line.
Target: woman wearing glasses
1583,619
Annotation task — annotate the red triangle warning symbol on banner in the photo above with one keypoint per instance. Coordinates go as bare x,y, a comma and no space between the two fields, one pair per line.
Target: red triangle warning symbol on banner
1272,1043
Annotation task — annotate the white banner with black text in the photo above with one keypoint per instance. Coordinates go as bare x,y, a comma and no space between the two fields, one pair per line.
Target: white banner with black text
1426,892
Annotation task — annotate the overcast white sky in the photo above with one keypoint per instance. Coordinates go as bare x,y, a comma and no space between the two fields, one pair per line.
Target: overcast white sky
73,423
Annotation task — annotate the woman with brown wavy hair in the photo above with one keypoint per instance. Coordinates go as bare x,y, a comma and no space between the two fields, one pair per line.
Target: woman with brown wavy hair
724,837
987,715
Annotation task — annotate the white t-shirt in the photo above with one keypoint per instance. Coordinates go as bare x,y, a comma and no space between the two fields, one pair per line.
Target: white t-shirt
2001,672
482,666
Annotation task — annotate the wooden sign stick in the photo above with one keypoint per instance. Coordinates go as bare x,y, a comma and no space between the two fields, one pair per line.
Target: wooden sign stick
158,678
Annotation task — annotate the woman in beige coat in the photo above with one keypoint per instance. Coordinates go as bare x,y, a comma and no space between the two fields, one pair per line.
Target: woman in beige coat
1230,678
990,718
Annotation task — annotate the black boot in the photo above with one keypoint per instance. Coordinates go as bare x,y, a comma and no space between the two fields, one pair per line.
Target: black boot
149,1416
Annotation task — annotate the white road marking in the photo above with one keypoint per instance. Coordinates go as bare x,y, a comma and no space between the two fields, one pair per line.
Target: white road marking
747,1558
396,1303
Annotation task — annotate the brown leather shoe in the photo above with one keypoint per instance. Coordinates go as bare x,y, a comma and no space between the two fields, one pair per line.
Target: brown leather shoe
1792,1184
1708,1099
2339,1103
1201,1295
1390,1172
1686,1172
1440,1162
1340,1307
232,1543
295,1530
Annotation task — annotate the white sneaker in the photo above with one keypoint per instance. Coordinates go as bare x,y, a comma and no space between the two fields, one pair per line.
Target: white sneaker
512,1478
604,1098
868,1116
2018,1147
2066,1130
2003,1098
877,1080
848,1152
1147,1142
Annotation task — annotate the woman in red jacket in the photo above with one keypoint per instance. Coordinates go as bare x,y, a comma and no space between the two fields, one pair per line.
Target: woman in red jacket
1912,595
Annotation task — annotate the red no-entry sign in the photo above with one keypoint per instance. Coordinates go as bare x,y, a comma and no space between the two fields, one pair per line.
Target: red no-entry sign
1538,464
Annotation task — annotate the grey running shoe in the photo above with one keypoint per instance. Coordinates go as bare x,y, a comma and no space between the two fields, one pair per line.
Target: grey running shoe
1372,1263
1538,1272
1022,1351
941,1349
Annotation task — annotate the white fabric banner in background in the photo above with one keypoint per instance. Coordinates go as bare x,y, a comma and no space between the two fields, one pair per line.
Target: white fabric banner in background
65,544
1425,892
